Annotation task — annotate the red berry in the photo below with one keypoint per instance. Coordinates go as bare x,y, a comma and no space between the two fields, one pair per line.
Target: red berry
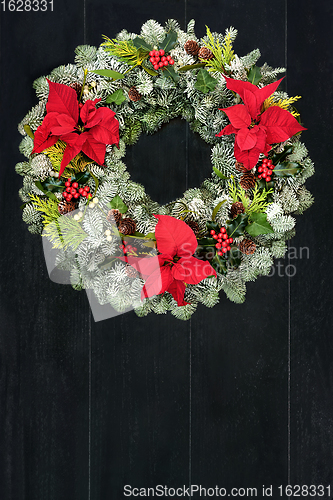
152,52
160,64
220,253
73,191
80,105
218,245
260,176
69,197
135,249
86,188
224,244
260,169
84,194
223,230
68,189
75,185
67,183
269,172
225,236
269,162
163,58
215,236
156,53
268,178
228,248
161,52
152,60
264,175
220,235
156,66
212,231
168,58
81,190
272,167
76,196
224,250
166,63
171,62
265,160
231,240
219,240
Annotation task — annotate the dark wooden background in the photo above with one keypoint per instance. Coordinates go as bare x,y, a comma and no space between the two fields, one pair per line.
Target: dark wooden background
241,396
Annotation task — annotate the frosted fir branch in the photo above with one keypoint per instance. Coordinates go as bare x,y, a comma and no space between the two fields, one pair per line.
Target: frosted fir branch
152,32
85,55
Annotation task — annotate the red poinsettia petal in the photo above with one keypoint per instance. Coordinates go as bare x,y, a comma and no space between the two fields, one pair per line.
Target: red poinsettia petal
144,265
280,124
62,99
158,282
88,112
263,93
229,129
251,103
192,270
43,141
246,138
70,152
249,157
107,130
177,290
238,116
239,86
63,124
174,237
94,149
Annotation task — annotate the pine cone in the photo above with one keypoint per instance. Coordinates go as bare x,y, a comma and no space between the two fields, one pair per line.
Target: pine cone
114,215
236,209
134,94
205,53
240,167
247,181
127,226
194,226
247,247
131,271
65,207
77,87
192,47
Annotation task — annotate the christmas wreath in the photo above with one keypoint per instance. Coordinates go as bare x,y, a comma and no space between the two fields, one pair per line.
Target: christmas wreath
109,235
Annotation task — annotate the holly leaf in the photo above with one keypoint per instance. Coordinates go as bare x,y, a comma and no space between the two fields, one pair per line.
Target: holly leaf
52,184
219,264
279,157
169,72
236,227
109,73
234,256
207,242
169,41
118,204
213,225
117,97
47,193
140,43
192,66
259,225
219,174
287,169
205,82
254,76
81,177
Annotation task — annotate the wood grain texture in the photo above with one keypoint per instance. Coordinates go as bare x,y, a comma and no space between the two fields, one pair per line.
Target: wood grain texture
241,395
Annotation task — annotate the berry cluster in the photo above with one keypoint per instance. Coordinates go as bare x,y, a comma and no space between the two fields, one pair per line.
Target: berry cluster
266,170
223,241
159,60
127,248
73,191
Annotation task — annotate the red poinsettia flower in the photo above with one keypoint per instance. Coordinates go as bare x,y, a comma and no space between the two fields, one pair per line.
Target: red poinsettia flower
256,131
175,266
82,127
